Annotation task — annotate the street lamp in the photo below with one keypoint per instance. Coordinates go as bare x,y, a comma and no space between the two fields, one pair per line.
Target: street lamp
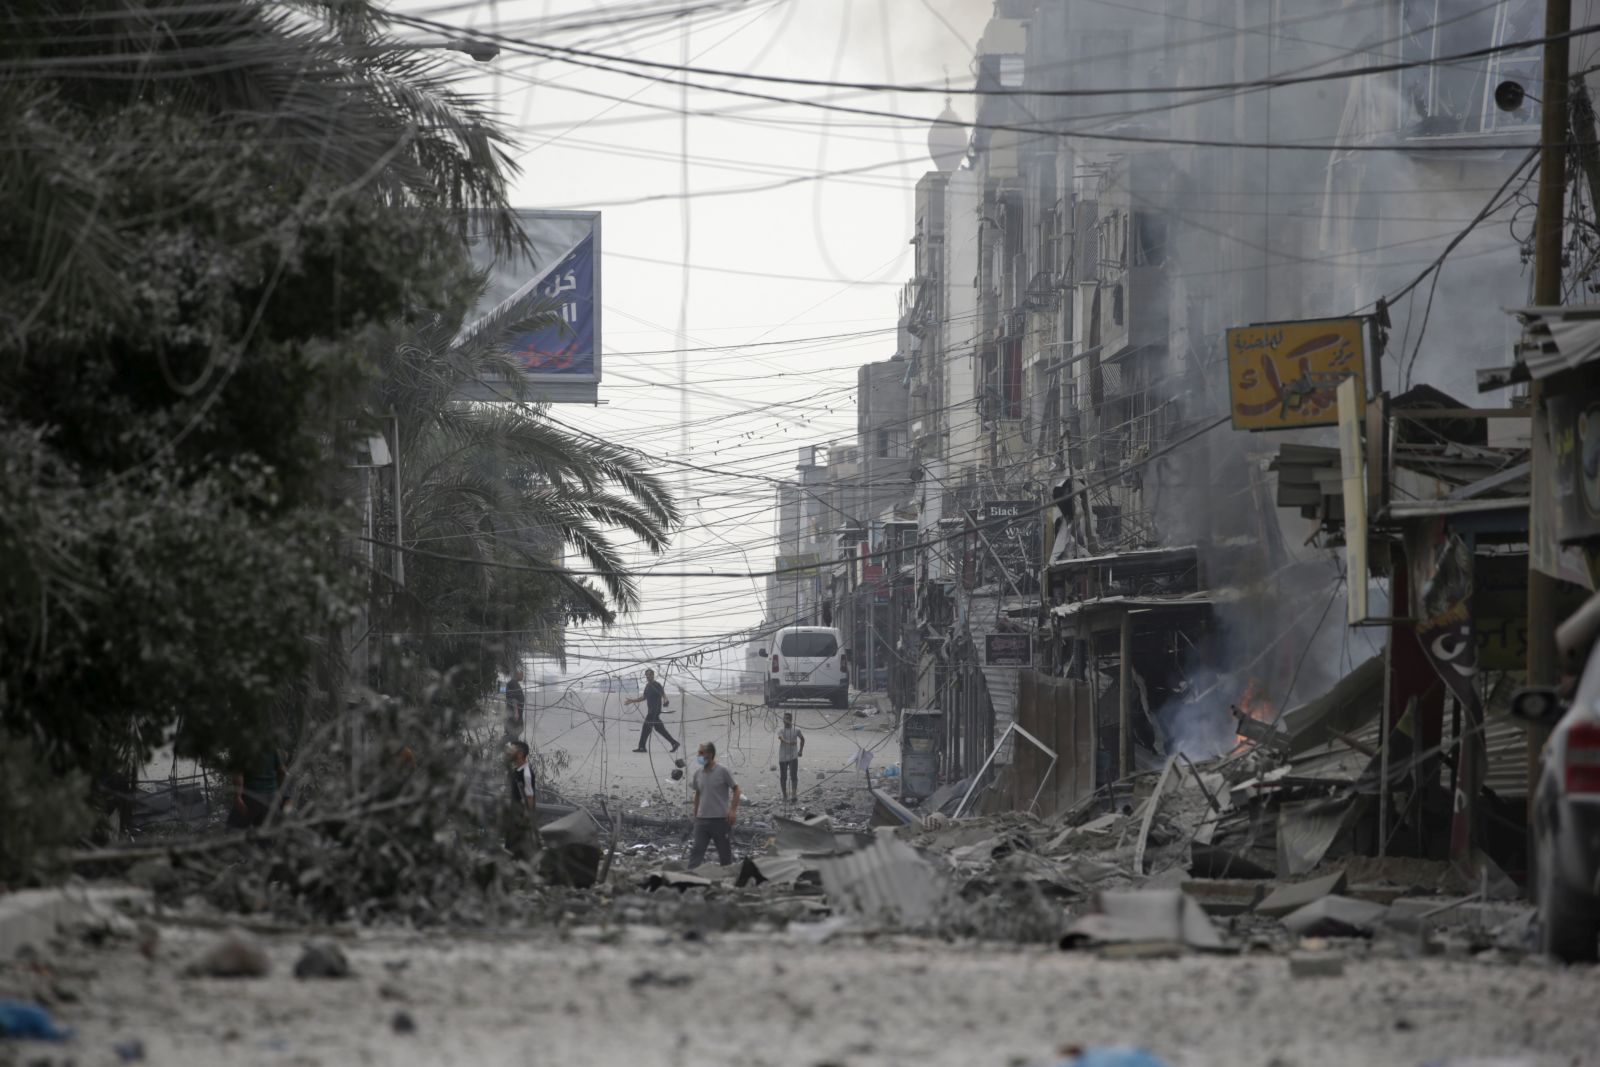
1509,95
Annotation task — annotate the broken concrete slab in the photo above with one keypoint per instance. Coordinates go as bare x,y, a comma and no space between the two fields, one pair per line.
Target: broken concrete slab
1336,916
1294,896
1224,896
1415,877
1144,915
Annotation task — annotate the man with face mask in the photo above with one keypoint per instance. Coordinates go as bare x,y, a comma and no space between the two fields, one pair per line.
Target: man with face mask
716,807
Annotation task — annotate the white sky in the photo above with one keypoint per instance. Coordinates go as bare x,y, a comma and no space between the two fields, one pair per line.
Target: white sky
841,245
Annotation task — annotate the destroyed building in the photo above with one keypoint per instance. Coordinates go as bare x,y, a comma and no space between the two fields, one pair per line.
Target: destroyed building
1102,556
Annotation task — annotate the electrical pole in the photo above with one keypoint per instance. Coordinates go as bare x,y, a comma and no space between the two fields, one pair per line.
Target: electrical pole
1547,279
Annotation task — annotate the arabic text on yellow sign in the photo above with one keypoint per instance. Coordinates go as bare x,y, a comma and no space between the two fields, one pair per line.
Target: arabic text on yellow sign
1286,374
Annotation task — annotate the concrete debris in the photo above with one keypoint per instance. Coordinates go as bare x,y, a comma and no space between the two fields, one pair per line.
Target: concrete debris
234,955
1335,916
1224,897
1151,916
1292,897
1315,965
815,836
322,959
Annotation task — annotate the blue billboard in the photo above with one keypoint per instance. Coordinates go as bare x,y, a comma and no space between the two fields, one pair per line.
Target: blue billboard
561,274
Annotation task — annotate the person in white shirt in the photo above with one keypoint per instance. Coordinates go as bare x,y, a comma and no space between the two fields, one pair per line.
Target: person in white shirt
791,746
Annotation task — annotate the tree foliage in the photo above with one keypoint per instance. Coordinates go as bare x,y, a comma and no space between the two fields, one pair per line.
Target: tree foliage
213,216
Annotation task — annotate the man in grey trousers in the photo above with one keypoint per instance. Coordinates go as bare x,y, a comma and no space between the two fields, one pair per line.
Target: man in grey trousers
716,807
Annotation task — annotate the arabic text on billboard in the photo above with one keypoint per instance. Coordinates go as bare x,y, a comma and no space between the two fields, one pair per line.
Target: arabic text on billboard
560,277
1007,650
1286,374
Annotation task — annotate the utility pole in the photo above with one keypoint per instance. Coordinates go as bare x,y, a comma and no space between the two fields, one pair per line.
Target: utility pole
1553,129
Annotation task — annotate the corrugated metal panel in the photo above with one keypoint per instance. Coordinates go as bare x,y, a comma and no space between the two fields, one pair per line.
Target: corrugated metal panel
1001,682
888,881
1002,685
1507,742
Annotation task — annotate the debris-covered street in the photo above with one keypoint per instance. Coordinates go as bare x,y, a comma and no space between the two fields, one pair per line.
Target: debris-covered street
651,996
868,935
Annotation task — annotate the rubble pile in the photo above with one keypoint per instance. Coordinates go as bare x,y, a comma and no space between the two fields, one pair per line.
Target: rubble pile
1252,851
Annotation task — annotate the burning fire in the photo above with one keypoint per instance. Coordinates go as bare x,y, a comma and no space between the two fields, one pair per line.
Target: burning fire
1254,705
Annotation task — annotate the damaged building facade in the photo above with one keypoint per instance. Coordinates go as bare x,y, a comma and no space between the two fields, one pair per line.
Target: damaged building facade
1092,546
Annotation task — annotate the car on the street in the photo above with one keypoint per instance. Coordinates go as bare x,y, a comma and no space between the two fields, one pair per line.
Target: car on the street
1566,801
807,663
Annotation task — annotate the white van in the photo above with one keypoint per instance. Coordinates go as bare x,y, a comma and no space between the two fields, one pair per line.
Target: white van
807,662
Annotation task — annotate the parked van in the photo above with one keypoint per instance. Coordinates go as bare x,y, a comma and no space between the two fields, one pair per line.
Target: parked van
807,662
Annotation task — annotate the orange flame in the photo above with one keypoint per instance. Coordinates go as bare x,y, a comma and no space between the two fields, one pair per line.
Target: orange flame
1255,704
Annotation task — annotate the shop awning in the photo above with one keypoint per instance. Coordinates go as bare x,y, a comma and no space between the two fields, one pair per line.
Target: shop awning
1554,339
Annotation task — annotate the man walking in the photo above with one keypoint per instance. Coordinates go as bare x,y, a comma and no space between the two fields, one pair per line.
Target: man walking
523,813
716,807
791,746
654,697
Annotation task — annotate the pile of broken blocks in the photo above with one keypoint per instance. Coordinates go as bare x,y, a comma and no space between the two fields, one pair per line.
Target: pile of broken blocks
1179,867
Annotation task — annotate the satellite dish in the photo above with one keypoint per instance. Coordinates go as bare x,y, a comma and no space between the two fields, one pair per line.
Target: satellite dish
947,139
1508,96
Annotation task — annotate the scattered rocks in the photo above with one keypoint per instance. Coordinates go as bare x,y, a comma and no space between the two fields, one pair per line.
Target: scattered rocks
322,959
235,955
129,1051
403,1023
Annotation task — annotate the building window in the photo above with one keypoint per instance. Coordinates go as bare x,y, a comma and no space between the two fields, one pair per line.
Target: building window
1011,379
1458,98
1116,304
883,443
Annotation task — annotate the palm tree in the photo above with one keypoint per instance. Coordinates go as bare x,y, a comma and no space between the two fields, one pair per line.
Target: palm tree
493,493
